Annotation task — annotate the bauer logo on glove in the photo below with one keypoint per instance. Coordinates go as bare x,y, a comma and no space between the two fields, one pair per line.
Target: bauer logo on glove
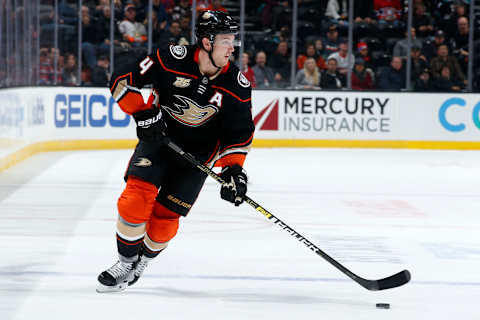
148,122
150,125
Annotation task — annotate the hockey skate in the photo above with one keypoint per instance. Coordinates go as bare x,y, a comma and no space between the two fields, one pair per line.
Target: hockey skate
116,278
138,268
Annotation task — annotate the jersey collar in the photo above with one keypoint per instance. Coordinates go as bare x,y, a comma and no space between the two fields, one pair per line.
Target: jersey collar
195,58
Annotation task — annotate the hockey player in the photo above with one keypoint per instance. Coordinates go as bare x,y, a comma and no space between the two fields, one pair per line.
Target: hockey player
203,104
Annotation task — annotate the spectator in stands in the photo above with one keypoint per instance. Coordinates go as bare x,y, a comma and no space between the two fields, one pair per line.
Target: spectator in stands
172,35
331,78
132,31
363,53
422,22
423,82
401,47
54,54
388,12
89,38
280,63
344,61
337,12
103,27
361,78
460,36
264,76
185,25
70,71
100,75
332,41
430,49
445,82
319,50
419,62
45,68
392,77
309,76
310,52
460,42
444,59
246,70
451,21
158,28
86,76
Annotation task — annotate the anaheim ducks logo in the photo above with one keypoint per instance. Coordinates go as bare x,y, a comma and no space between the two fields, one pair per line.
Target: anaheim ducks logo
189,112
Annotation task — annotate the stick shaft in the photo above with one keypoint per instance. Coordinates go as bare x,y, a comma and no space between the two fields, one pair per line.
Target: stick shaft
265,212
393,281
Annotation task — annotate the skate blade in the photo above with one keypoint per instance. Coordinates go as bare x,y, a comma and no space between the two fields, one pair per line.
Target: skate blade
108,289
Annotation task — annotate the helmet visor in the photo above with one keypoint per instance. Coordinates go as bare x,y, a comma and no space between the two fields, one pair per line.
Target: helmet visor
227,43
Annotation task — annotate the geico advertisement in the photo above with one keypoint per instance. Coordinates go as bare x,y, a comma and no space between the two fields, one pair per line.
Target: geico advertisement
88,110
87,113
320,115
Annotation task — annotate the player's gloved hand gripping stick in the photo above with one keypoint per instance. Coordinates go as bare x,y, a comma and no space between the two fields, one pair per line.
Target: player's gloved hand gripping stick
393,281
235,186
150,125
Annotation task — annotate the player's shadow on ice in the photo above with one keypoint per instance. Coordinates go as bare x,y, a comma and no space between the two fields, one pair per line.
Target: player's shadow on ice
240,296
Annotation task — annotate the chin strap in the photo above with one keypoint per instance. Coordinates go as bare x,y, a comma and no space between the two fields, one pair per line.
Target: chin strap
212,38
211,58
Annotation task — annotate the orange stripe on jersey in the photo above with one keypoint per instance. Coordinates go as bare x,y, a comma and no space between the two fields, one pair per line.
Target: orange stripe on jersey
195,58
232,94
231,159
132,102
242,144
119,77
225,68
171,70
195,55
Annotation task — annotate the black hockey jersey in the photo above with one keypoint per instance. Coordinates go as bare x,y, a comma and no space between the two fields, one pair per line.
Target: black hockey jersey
210,118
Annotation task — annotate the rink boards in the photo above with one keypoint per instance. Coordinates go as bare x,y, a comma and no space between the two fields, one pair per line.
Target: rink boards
43,119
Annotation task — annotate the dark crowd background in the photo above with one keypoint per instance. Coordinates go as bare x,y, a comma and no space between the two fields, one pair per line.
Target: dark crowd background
76,43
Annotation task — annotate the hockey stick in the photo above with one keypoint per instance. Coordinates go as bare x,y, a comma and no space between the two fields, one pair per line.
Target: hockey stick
393,281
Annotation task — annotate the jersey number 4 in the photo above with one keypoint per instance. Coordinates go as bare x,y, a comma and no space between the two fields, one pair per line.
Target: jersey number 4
145,65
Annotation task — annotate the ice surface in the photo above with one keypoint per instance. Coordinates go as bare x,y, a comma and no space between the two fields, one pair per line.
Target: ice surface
375,211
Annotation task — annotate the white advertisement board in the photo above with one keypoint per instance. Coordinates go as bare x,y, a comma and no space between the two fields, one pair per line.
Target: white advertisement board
366,116
59,113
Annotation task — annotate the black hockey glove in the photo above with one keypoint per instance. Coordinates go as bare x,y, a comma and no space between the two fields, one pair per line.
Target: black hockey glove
235,186
150,125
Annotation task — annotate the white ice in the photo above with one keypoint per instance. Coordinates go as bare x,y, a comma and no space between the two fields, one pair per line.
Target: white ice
376,211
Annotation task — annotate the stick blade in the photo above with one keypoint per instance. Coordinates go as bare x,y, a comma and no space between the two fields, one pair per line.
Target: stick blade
396,280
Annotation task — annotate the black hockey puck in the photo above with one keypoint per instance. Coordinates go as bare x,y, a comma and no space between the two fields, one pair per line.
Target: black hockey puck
383,305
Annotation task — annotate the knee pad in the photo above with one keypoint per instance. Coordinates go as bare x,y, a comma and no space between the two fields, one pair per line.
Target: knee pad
135,205
163,224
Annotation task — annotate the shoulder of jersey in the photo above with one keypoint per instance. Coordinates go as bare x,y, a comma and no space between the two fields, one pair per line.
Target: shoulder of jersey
237,83
175,54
